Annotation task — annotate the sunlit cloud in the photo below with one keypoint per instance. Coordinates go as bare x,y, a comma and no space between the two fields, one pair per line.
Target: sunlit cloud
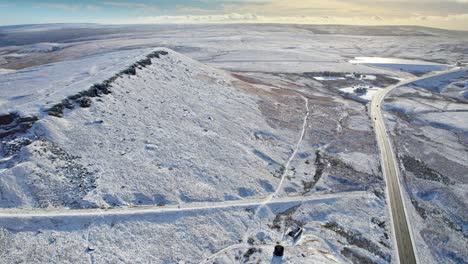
133,5
451,21
65,7
449,14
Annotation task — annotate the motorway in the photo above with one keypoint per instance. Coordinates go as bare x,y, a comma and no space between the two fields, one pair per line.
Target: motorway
400,224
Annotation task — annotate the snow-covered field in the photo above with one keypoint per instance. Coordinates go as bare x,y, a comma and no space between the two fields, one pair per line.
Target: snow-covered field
242,119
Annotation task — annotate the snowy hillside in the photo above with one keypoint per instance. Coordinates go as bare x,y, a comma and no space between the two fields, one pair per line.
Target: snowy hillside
166,132
27,91
156,136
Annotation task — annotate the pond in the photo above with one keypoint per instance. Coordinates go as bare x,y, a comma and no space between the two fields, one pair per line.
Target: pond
413,66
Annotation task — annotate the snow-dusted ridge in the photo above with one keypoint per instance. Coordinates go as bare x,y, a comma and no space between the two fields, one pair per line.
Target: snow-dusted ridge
83,98
82,140
12,122
29,91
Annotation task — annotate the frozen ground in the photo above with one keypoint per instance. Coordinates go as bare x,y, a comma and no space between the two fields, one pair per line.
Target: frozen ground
250,124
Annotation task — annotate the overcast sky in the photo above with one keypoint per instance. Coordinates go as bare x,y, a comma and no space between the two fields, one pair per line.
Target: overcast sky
452,14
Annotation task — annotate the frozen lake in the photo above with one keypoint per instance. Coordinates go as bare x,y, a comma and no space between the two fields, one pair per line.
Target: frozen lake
379,60
328,78
412,66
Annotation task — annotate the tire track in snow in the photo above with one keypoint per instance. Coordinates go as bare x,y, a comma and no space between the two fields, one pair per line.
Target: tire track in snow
285,169
140,210
296,149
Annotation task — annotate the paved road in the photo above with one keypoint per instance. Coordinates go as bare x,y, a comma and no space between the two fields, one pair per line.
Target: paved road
402,233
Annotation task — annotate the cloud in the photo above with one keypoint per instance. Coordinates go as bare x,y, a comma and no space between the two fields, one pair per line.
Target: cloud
458,22
434,13
133,5
93,8
343,8
192,10
66,7
189,19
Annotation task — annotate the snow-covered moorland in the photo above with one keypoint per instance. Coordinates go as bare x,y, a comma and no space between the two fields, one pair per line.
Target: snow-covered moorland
169,130
113,150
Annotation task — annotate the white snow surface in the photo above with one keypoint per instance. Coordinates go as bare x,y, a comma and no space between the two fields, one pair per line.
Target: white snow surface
367,96
189,237
177,132
180,132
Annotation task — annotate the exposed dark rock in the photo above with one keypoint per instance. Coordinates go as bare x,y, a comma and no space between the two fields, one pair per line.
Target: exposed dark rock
85,102
12,123
130,70
144,62
103,87
68,104
99,89
56,110
8,119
